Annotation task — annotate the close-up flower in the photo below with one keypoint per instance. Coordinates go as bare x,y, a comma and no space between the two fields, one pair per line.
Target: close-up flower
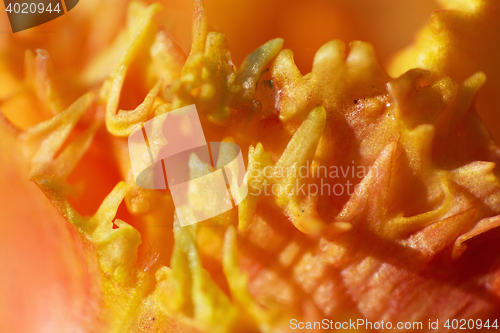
357,144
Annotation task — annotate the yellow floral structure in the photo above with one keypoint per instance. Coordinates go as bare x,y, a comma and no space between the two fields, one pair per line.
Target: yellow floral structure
416,240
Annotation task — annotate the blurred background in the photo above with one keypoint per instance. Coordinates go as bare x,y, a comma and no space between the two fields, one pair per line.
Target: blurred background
304,25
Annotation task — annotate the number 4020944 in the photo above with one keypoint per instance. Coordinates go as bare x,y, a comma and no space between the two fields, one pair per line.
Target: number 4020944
32,8
463,324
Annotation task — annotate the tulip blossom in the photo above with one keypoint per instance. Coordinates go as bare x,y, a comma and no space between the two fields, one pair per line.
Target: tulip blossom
373,183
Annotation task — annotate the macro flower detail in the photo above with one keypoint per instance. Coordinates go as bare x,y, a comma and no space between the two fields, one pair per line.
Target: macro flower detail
371,196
